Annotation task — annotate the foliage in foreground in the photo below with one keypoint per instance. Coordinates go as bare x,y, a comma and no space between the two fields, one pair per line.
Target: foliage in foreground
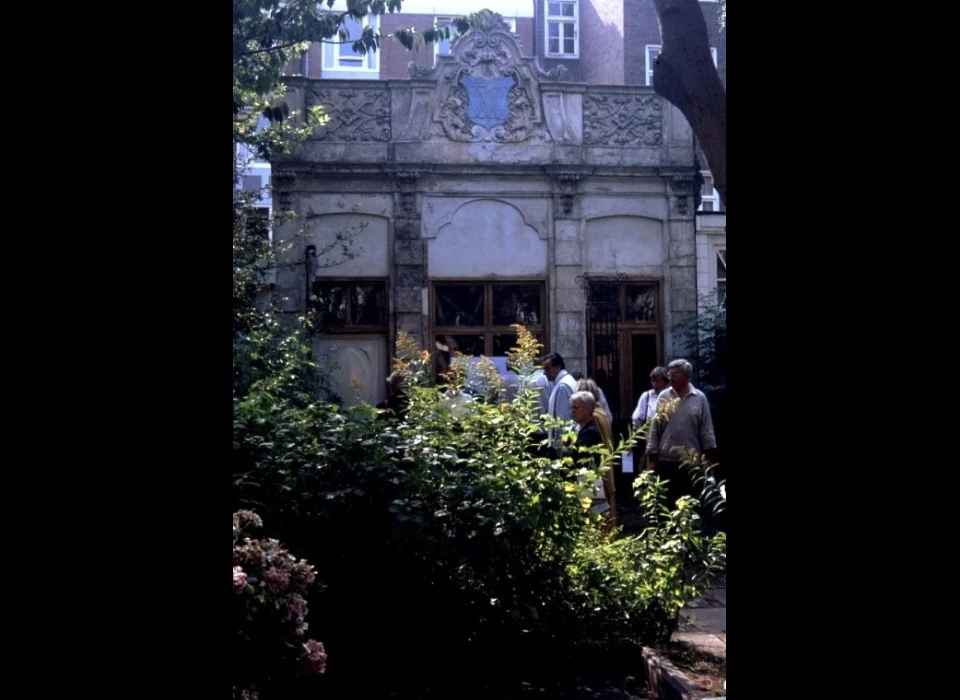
455,518
271,651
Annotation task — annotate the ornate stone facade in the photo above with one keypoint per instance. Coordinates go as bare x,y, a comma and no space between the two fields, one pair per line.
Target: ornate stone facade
623,120
485,90
488,172
351,115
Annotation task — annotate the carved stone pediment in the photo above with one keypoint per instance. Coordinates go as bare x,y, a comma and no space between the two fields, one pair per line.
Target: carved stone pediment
485,90
355,114
622,120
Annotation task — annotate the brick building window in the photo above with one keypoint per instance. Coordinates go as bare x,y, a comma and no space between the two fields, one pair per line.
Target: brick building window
474,318
342,57
563,36
654,49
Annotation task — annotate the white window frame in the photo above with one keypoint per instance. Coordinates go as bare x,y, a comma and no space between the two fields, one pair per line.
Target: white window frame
448,20
652,50
720,252
334,63
714,198
563,20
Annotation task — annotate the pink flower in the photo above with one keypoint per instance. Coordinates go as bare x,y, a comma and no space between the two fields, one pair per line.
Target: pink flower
313,657
294,606
294,609
277,580
302,577
246,520
239,579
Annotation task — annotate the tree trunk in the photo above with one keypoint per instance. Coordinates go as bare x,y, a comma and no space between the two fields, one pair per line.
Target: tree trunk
685,75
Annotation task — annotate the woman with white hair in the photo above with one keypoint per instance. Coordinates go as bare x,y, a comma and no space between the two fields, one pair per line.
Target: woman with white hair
584,410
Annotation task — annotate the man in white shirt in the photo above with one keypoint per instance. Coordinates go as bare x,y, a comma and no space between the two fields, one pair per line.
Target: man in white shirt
564,386
541,384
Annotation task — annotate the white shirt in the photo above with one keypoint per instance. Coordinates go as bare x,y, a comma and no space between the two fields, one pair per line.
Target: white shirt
563,388
538,380
646,408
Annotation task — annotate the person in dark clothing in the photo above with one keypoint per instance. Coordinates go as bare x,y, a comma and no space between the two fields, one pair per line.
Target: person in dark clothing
395,403
582,408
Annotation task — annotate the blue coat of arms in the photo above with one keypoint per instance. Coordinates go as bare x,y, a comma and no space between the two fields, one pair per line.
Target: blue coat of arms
488,105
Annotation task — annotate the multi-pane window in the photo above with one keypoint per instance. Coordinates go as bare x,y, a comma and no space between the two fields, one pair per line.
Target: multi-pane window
631,303
474,318
350,305
653,50
342,57
562,29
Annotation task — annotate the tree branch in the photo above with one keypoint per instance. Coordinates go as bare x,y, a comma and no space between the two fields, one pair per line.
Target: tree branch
684,74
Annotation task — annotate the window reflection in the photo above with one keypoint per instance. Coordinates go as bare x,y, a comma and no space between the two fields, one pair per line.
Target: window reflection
330,302
459,305
516,304
344,305
641,303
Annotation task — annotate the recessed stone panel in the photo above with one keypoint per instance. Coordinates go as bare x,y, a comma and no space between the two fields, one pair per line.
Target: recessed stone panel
487,238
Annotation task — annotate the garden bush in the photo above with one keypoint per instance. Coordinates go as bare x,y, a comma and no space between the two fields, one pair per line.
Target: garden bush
451,525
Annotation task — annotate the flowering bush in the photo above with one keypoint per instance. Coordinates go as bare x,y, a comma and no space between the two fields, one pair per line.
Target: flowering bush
269,585
451,514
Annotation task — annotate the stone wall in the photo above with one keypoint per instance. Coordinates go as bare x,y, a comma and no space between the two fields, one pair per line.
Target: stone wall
487,167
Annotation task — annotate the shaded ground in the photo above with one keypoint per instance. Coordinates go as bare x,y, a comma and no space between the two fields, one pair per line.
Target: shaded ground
699,648
591,672
703,668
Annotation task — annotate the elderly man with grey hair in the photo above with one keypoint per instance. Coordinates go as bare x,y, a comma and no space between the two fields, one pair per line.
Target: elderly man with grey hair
682,422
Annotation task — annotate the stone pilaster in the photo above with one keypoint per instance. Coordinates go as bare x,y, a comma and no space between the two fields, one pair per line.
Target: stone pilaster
681,260
283,182
409,259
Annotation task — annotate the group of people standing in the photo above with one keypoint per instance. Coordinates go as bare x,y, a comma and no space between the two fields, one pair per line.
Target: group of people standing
676,415
577,398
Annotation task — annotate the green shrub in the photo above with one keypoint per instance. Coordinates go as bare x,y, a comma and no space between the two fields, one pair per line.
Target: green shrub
452,517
